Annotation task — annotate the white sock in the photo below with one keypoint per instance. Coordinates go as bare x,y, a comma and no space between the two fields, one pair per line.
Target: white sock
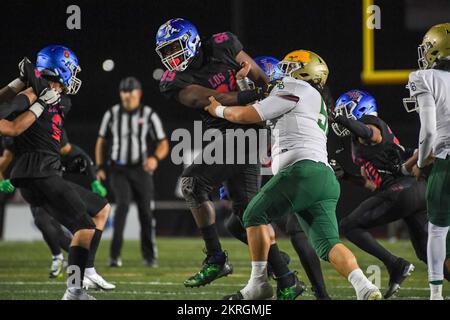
59,257
436,252
90,271
258,286
435,291
259,271
358,280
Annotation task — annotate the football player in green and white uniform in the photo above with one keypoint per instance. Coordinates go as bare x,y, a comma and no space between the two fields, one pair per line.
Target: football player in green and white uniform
303,184
430,90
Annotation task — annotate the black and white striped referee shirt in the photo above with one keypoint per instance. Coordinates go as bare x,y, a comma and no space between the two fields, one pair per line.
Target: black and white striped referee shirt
131,133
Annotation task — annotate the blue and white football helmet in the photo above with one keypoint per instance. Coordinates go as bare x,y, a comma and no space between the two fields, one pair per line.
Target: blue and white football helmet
61,64
177,43
270,67
353,104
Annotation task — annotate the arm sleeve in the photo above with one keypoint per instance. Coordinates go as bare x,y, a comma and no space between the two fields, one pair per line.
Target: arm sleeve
274,106
356,127
104,126
427,112
20,103
157,127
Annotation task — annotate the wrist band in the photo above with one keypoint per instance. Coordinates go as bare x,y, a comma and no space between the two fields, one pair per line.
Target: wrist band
100,167
220,111
37,109
16,85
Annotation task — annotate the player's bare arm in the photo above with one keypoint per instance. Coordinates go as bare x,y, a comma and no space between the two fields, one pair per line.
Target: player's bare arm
161,151
5,161
100,147
7,93
235,114
196,96
26,119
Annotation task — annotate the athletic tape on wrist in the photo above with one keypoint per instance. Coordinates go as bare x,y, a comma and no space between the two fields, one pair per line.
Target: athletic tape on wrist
220,111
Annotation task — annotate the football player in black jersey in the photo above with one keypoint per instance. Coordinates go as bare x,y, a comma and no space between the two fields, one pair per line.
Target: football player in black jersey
38,169
75,161
195,71
385,168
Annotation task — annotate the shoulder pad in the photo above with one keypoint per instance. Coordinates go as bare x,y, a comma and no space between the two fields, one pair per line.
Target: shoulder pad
418,82
225,43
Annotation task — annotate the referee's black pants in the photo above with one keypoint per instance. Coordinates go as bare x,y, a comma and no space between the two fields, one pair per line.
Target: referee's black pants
128,182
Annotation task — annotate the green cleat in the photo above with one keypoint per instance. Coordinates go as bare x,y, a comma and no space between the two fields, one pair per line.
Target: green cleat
291,293
208,273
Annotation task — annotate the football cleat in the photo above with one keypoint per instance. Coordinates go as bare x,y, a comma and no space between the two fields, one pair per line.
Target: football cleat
401,270
151,263
235,296
292,292
76,294
209,272
57,268
370,293
320,294
115,263
96,282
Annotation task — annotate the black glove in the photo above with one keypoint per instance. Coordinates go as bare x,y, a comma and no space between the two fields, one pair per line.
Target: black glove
77,165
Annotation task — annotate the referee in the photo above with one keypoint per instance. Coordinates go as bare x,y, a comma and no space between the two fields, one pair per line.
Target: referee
133,131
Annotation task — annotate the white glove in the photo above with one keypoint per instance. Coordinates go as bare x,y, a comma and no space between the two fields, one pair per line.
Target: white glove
48,97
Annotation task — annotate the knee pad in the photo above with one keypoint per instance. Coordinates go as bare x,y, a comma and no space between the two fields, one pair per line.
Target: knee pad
236,228
194,191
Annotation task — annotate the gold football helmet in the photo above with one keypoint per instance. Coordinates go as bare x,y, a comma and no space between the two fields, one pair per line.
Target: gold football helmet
435,46
305,65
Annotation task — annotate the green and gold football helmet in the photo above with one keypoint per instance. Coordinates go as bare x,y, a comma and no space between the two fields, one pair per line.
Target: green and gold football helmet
305,65
435,46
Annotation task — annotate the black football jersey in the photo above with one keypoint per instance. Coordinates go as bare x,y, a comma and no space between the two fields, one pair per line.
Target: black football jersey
38,148
379,161
217,72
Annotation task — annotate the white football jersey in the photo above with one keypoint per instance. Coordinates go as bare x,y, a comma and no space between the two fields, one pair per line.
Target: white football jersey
298,118
436,83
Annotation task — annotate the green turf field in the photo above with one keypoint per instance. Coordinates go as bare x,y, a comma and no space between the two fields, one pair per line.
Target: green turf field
24,267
